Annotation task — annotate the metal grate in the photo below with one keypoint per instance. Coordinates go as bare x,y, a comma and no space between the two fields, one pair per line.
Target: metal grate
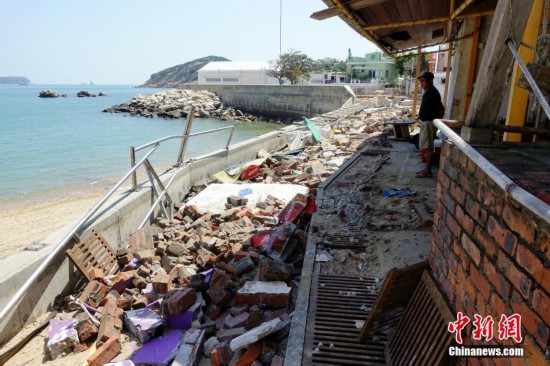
336,304
392,299
422,337
345,242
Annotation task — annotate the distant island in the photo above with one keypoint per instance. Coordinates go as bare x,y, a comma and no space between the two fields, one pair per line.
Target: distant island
14,80
180,74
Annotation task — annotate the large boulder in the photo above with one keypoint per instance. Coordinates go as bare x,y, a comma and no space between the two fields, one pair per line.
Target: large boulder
48,93
85,93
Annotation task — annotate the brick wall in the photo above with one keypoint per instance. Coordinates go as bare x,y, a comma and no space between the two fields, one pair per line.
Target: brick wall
490,256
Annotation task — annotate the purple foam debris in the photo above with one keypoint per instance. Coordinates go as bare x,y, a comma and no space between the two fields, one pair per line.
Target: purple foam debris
159,351
121,363
207,275
142,323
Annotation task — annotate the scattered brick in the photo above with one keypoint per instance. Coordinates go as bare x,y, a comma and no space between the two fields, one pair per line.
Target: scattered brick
109,350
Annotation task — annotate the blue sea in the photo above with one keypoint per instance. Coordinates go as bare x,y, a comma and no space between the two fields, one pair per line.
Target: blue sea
53,143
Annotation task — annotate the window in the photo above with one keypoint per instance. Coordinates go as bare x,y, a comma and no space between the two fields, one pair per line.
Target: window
213,80
387,74
230,80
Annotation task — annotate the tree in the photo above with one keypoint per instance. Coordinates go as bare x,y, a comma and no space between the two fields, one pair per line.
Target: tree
329,64
291,66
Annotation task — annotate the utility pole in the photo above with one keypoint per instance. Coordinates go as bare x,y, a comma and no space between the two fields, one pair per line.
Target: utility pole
280,27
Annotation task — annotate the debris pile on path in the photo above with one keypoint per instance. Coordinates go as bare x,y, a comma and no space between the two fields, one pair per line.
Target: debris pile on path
177,103
213,282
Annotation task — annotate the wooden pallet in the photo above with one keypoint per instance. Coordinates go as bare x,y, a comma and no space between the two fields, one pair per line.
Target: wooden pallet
392,299
422,337
93,251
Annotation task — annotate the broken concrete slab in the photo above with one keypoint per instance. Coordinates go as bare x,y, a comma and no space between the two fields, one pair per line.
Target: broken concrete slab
256,334
189,353
213,198
144,324
62,337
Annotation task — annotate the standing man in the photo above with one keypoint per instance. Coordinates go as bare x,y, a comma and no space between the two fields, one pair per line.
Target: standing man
430,109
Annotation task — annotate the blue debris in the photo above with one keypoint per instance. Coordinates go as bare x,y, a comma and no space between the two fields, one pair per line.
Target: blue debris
394,192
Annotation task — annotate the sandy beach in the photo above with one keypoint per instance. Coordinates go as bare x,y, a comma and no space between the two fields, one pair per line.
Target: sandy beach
31,218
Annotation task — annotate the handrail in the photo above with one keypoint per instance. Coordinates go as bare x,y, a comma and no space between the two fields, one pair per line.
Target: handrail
38,272
80,224
538,207
182,136
157,201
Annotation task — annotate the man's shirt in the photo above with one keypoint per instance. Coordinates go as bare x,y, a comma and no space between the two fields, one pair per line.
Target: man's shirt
431,105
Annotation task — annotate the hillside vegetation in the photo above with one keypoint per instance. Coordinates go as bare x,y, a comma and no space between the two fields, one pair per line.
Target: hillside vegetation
180,74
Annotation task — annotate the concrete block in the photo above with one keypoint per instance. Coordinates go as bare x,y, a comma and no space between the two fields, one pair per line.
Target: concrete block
62,337
226,335
236,321
256,334
476,135
271,294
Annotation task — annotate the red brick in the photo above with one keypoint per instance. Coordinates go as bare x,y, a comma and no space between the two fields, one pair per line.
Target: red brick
480,282
444,180
532,323
520,281
534,266
485,241
466,283
107,327
471,249
161,283
464,220
473,209
459,251
503,237
251,355
458,194
96,274
541,304
453,226
177,301
86,330
221,355
502,286
253,255
519,223
109,350
447,202
498,307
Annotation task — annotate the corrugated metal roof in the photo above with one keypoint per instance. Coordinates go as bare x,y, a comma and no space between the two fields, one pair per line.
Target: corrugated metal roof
235,65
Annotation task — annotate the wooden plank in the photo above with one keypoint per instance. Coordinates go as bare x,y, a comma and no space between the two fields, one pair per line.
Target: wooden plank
93,251
490,84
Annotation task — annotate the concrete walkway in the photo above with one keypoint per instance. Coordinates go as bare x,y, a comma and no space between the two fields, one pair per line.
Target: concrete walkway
362,232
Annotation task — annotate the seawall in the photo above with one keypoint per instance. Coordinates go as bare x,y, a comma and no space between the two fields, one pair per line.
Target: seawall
281,100
116,222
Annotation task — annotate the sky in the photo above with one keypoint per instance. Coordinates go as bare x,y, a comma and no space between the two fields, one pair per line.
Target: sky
124,42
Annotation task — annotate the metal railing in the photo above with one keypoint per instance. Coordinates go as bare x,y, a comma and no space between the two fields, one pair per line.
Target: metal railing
153,177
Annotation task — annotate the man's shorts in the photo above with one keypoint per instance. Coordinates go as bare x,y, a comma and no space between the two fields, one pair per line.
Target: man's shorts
427,135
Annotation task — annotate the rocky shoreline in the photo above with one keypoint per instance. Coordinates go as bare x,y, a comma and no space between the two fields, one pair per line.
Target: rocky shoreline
177,103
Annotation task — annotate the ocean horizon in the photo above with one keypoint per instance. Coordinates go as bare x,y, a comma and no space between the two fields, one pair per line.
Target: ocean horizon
51,143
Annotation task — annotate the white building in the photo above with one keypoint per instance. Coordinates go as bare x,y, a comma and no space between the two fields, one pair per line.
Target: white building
327,77
236,72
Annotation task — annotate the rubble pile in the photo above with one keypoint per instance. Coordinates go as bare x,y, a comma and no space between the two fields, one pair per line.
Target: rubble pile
177,103
209,283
